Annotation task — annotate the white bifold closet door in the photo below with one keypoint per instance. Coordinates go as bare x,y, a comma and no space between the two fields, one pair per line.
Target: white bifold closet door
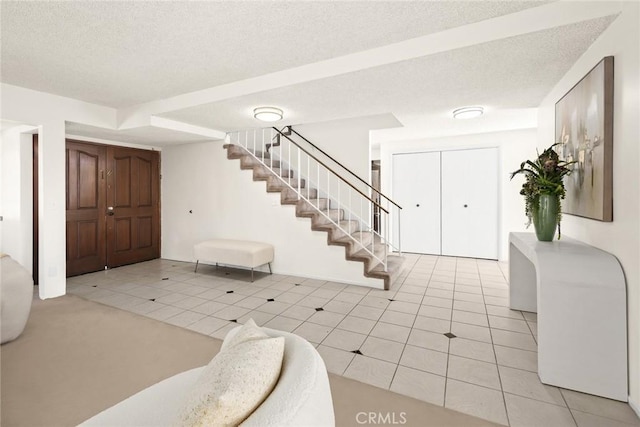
416,187
470,203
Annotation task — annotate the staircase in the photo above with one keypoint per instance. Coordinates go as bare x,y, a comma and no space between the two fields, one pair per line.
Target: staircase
323,196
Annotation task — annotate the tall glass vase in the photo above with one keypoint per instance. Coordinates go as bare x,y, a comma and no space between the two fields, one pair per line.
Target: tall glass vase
545,217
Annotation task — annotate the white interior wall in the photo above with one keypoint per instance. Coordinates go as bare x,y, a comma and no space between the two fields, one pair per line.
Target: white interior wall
622,236
16,202
49,113
514,146
227,203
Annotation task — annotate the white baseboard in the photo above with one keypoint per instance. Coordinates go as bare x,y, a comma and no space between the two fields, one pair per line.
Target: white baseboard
634,406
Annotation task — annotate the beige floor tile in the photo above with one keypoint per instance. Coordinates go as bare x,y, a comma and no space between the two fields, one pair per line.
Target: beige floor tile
477,319
403,307
584,419
474,371
438,293
357,324
514,339
231,298
370,313
379,348
432,324
406,297
391,332
489,300
371,371
290,297
469,306
231,312
185,318
344,340
164,312
345,296
425,360
475,400
335,360
527,384
210,307
495,310
303,290
354,289
260,317
601,406
472,332
375,302
298,312
401,319
507,324
312,332
251,303
469,289
495,292
438,302
472,349
525,412
326,318
313,302
273,307
412,289
516,358
468,281
464,296
441,277
436,312
207,325
428,339
441,285
325,293
172,298
283,323
340,307
419,385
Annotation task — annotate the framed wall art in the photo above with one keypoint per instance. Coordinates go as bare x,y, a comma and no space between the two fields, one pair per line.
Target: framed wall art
584,133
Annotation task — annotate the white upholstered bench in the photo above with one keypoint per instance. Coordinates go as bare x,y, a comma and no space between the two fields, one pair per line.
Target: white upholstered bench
241,253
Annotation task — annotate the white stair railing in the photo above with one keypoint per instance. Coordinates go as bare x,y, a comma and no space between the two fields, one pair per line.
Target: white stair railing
338,201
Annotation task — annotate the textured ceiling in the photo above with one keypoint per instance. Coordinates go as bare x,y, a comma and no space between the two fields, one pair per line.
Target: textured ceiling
125,53
511,73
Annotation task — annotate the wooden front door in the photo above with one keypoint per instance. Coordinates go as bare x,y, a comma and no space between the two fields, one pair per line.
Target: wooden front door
133,214
113,206
86,198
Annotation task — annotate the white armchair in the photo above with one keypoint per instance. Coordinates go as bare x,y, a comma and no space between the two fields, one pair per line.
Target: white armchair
302,396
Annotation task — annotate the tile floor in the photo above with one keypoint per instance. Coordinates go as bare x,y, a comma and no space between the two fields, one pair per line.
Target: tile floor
444,334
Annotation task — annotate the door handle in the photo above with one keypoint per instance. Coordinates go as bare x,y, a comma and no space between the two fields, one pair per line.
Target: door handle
110,211
418,205
465,206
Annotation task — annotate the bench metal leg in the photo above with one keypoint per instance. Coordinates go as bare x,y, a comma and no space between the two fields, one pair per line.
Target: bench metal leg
251,274
196,270
270,272
216,265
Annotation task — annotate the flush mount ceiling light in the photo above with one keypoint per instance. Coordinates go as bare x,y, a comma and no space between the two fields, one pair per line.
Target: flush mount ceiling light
267,114
467,112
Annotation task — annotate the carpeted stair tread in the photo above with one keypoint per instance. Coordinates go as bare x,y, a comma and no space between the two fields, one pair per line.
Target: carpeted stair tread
315,208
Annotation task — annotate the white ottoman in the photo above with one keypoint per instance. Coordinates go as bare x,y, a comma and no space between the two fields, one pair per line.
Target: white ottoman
243,253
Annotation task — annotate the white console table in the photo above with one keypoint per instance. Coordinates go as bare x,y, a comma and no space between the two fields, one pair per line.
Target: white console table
580,296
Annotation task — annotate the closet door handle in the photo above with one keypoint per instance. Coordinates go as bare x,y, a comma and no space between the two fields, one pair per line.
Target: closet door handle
465,206
418,205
